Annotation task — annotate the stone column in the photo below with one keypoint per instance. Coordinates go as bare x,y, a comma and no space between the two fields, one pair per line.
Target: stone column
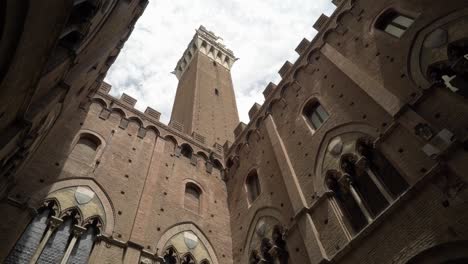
55,247
82,251
344,223
53,224
77,231
364,166
358,199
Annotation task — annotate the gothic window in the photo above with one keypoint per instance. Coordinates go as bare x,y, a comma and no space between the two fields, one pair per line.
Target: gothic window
365,184
393,184
86,148
170,257
188,259
186,151
315,114
49,239
348,205
394,23
192,197
253,186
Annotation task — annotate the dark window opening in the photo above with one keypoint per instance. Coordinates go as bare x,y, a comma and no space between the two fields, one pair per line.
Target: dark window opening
186,151
253,186
216,91
315,114
394,23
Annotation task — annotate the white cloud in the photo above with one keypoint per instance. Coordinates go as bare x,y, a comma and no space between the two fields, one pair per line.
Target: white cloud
263,34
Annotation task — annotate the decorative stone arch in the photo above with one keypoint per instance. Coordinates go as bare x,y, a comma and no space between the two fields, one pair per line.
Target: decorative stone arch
417,74
188,226
310,58
259,214
172,139
346,128
99,101
119,111
453,252
217,164
37,199
153,129
203,155
92,134
276,101
137,120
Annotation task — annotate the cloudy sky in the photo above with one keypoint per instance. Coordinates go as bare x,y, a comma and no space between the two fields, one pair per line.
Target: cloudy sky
263,35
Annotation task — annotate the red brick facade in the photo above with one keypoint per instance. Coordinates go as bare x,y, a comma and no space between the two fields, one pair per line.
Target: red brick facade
358,155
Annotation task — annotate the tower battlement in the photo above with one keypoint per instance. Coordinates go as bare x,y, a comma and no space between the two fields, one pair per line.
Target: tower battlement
207,43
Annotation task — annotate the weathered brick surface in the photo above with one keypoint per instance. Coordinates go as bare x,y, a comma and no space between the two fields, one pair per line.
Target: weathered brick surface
369,82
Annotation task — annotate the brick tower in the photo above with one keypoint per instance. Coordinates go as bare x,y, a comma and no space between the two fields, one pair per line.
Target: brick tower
205,103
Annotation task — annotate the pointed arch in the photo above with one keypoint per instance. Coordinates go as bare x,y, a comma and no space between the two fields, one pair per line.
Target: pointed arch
108,212
346,128
188,227
262,213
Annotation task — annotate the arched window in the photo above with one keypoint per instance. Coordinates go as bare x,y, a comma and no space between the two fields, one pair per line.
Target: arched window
49,239
188,259
86,148
205,262
170,257
253,186
315,113
365,184
348,205
394,23
192,197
